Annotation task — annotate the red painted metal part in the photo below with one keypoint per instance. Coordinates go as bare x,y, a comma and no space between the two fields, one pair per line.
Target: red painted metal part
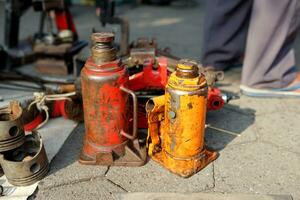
110,124
58,110
33,124
155,77
105,109
214,99
142,117
64,21
152,77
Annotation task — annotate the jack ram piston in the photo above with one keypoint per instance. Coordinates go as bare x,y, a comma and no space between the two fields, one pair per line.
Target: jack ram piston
177,121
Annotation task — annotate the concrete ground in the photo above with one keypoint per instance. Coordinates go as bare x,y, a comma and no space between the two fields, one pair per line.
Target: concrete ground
264,159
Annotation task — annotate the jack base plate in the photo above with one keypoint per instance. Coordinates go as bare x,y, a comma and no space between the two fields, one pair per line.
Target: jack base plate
185,167
134,156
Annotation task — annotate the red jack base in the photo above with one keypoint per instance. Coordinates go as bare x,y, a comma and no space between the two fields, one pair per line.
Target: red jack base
130,154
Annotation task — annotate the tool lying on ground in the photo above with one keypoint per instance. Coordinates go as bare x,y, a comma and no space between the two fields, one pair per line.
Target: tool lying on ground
177,122
22,158
111,128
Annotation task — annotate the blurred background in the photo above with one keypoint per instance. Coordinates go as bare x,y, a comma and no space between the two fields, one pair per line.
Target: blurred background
177,24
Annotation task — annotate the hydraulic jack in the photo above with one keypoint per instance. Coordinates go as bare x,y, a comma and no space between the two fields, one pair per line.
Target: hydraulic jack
108,119
177,122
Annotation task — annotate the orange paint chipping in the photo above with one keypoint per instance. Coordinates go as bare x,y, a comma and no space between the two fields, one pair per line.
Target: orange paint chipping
177,122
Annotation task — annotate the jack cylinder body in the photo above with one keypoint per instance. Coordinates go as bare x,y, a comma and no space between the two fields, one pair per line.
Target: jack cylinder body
105,104
105,111
111,135
177,123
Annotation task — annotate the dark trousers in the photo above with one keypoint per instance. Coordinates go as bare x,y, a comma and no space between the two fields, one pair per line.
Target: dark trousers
225,32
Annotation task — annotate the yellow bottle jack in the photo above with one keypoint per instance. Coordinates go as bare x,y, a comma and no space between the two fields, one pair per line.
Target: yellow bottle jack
177,122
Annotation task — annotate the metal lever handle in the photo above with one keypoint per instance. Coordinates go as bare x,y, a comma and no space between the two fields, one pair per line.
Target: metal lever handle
135,107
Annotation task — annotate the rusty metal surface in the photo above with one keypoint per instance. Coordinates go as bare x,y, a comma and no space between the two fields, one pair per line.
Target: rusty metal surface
11,134
134,117
213,76
177,123
145,43
51,66
138,56
49,49
109,131
142,50
51,58
57,59
130,154
187,69
103,50
148,83
26,164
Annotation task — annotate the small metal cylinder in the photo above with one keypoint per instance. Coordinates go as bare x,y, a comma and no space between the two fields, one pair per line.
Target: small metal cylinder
187,69
102,48
11,134
27,164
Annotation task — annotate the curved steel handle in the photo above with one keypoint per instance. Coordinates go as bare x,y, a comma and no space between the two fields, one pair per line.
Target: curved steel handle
135,107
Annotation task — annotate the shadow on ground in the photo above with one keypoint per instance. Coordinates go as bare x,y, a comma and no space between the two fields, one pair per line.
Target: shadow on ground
70,151
230,118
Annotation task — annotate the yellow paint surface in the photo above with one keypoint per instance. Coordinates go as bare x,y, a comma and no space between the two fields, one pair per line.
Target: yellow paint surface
176,127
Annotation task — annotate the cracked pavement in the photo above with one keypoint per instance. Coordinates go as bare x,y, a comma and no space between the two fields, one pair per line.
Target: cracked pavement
264,159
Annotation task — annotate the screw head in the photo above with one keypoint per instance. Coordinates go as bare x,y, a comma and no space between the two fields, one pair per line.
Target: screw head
172,114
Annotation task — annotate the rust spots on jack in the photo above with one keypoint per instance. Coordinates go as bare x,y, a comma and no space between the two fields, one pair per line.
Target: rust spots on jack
181,138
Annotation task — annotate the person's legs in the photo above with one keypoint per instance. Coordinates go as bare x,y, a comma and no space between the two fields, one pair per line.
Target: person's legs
270,61
225,32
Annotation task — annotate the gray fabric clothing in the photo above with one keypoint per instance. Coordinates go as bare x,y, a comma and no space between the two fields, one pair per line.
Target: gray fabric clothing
225,32
270,60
